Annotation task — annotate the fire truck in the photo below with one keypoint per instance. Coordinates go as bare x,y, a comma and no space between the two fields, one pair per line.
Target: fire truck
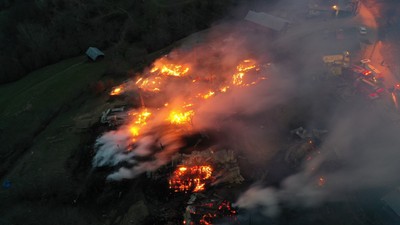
376,74
368,89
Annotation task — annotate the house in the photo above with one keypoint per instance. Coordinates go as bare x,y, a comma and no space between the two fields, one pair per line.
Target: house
94,53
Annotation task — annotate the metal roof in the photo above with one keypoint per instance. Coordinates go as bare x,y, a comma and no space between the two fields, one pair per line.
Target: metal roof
93,53
266,20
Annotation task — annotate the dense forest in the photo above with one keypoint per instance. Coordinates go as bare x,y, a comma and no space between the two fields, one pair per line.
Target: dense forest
35,33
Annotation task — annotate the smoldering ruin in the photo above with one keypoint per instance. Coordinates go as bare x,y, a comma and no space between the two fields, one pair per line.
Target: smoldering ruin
233,128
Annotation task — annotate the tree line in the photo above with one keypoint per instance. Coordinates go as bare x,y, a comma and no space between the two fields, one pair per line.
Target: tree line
35,33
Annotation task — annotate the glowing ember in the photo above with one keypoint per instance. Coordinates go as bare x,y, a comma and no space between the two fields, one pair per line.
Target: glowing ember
237,79
174,70
116,91
246,65
207,212
169,69
190,178
207,219
321,181
224,89
152,84
208,95
139,121
177,117
242,68
187,105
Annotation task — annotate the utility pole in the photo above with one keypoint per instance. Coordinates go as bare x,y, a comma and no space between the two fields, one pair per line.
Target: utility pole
373,50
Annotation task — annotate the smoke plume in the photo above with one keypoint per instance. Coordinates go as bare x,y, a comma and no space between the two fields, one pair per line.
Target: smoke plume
363,146
224,87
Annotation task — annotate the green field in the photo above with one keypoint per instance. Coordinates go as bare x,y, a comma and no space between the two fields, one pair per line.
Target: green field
29,104
45,120
38,134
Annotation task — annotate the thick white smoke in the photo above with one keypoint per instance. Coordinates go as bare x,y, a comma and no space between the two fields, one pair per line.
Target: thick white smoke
111,148
362,140
260,197
115,147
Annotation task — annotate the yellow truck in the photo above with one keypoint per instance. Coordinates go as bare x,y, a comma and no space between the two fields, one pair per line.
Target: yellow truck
337,62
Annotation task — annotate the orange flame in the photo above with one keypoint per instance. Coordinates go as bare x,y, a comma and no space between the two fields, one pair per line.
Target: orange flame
224,89
174,70
244,74
190,178
178,117
207,95
169,69
237,79
242,68
116,91
139,122
152,84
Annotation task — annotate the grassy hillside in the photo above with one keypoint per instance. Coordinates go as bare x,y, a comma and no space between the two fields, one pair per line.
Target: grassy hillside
41,125
30,104
37,128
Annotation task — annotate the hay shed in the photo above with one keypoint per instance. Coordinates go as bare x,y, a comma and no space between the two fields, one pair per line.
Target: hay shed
94,53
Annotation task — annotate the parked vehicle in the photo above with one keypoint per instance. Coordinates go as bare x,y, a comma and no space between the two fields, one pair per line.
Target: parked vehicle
363,30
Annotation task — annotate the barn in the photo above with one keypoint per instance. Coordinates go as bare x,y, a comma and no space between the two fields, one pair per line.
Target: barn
94,53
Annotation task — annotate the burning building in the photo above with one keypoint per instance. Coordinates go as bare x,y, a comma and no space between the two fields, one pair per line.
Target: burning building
170,128
177,89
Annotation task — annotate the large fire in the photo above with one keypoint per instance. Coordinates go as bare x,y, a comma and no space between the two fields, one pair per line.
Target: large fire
245,74
190,178
157,77
174,93
178,117
178,89
186,88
